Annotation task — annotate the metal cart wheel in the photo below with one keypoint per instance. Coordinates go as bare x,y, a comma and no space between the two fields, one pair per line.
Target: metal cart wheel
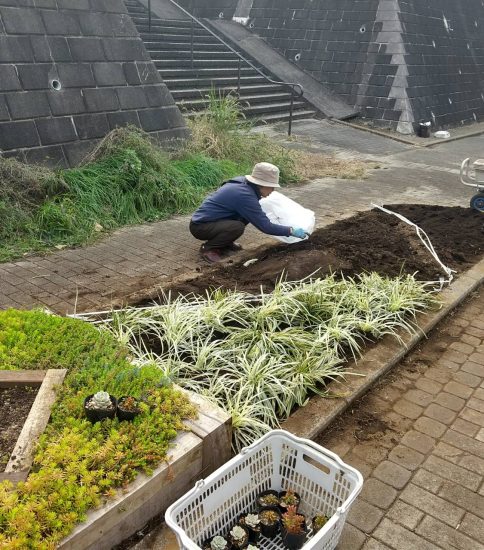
477,202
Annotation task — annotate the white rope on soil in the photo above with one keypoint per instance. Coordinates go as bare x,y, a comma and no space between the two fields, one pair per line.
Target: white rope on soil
428,245
420,232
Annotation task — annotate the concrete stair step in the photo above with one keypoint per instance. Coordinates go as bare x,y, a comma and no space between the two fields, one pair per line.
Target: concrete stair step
180,38
272,107
204,63
281,117
197,73
179,94
178,83
247,102
168,31
183,47
184,55
180,24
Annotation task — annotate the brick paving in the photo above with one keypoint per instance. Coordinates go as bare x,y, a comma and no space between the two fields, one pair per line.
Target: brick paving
106,273
421,450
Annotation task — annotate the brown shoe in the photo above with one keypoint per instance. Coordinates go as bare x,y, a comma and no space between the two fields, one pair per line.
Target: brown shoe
212,256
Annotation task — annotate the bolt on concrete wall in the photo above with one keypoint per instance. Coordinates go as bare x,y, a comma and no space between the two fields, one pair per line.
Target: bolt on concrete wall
71,71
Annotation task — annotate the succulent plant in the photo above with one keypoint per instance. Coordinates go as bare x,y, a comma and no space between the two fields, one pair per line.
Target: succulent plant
100,401
218,543
252,520
268,517
269,500
318,522
238,533
292,521
289,498
129,404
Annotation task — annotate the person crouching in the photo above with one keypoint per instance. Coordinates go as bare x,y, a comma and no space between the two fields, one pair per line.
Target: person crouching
223,216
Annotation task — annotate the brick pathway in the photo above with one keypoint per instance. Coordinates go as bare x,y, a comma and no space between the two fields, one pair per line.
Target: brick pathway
418,440
98,276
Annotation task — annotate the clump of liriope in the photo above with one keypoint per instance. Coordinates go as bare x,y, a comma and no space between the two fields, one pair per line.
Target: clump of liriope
259,359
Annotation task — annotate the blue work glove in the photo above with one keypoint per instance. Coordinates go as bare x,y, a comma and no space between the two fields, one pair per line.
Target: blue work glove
298,232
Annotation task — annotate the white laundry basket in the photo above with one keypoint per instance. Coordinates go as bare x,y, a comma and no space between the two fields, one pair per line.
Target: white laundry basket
277,461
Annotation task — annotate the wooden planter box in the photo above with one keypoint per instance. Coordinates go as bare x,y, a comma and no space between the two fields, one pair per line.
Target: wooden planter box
21,459
194,455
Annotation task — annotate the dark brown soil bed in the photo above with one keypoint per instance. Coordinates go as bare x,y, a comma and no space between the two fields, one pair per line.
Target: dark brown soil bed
15,405
368,241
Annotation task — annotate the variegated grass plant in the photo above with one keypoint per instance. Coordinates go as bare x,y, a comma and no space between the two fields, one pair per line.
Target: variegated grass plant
258,358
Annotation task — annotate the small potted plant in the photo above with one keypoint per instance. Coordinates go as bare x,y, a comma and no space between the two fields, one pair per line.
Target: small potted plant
267,498
128,408
293,529
288,498
239,536
216,543
252,523
100,405
269,522
318,522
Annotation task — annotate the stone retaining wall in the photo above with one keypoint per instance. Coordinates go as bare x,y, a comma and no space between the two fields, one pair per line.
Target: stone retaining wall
71,71
398,61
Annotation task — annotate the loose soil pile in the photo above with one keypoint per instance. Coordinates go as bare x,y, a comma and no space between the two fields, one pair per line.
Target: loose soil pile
15,405
369,241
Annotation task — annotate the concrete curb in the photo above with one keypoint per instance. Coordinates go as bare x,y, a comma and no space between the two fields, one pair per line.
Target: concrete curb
320,412
432,143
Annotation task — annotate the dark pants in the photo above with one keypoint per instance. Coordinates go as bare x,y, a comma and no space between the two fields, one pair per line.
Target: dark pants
218,234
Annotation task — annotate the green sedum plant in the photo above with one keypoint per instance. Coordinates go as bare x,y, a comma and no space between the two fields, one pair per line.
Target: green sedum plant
78,465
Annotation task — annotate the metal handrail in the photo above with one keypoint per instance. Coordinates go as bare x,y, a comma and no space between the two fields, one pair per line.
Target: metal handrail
292,85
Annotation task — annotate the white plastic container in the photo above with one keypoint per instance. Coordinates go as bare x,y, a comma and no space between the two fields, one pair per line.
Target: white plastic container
277,461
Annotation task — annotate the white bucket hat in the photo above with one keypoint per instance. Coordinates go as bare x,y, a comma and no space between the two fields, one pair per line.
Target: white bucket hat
264,174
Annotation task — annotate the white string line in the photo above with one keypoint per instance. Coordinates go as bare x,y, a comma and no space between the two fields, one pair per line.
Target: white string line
426,242
420,232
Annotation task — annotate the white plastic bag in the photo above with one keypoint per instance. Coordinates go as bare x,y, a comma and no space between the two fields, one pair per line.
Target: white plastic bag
283,211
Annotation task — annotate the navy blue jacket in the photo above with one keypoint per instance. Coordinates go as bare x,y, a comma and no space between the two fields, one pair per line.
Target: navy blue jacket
238,199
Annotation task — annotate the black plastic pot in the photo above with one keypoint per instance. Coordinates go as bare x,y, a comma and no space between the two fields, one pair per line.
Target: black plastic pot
254,534
126,415
313,524
234,544
270,531
282,506
96,415
292,541
206,544
261,506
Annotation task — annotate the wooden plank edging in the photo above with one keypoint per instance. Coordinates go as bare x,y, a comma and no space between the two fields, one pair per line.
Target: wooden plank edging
11,378
22,456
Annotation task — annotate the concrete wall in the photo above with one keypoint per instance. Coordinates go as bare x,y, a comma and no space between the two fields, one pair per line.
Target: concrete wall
90,48
210,8
444,43
398,61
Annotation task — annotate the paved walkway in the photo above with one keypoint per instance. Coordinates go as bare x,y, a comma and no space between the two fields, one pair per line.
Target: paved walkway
418,439
144,256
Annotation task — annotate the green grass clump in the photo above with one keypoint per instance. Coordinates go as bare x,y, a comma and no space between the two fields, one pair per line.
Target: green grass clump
77,464
121,187
129,179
